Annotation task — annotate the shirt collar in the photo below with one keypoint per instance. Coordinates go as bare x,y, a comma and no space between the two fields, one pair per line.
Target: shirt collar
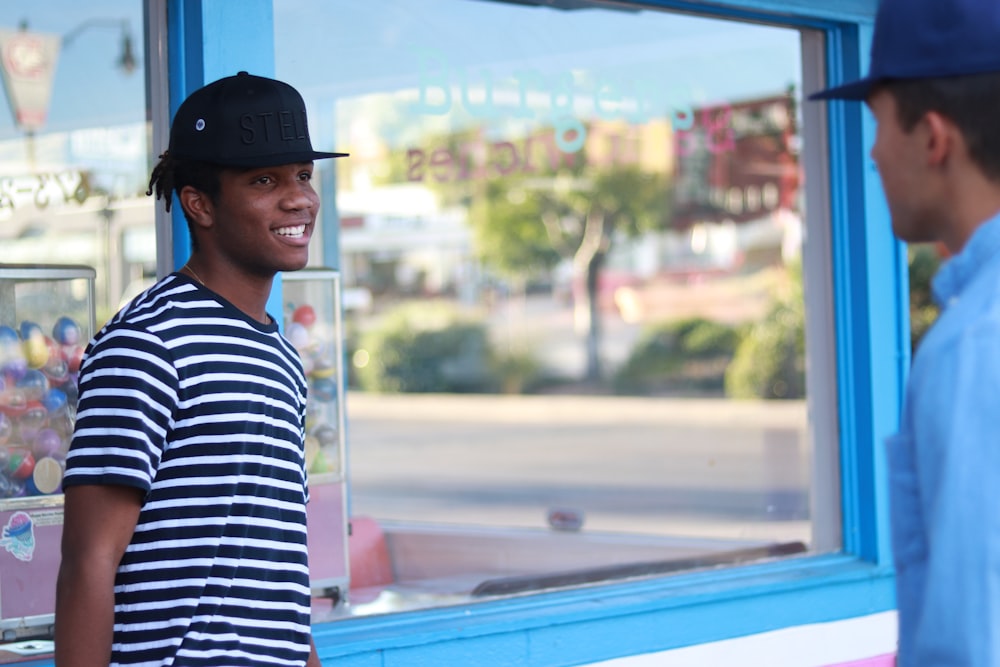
957,272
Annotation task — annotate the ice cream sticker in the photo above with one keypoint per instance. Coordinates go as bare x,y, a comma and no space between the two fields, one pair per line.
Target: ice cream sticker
19,536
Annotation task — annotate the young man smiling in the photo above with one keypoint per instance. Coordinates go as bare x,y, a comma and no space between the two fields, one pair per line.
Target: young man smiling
184,540
934,89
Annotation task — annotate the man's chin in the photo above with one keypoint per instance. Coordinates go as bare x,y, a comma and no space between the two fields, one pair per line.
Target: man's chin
914,234
295,264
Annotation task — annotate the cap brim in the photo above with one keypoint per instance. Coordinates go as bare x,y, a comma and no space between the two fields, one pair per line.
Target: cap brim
280,158
855,90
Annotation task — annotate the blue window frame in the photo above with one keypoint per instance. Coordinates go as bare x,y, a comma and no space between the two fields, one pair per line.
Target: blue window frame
212,39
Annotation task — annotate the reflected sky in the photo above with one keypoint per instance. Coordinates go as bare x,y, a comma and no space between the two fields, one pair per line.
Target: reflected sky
358,47
351,48
88,90
385,63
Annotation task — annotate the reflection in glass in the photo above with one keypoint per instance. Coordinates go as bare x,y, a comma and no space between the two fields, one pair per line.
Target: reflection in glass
73,146
571,246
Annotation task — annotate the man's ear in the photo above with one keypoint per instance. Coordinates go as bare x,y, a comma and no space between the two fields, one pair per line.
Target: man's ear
197,205
941,137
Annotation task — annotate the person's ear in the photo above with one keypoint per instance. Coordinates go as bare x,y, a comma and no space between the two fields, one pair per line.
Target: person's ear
198,206
940,137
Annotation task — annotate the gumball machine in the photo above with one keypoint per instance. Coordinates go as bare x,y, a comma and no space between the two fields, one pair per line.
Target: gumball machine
312,324
46,319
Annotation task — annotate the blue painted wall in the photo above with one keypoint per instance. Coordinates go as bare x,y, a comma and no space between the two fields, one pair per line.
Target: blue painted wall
208,41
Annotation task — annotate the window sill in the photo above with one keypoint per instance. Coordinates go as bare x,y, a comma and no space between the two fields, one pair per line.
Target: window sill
597,622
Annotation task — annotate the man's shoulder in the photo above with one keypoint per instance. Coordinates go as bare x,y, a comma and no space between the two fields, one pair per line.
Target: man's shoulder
168,299
966,333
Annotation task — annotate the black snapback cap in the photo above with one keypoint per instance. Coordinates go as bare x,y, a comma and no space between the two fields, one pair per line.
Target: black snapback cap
244,121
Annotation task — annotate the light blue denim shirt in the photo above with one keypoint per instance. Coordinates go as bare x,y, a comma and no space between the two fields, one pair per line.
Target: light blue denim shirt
944,472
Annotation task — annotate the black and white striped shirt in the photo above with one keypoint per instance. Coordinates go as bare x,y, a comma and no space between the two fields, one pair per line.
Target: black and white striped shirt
202,408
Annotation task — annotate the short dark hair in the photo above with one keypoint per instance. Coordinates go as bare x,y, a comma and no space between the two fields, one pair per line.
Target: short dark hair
171,175
972,102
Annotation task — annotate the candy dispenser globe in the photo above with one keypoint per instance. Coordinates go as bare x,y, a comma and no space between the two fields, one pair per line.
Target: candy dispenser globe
46,319
312,324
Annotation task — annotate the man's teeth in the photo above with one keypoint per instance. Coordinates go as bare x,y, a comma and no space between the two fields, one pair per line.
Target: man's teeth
291,231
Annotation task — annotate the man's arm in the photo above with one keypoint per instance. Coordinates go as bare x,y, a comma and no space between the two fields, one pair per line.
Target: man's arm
313,656
97,527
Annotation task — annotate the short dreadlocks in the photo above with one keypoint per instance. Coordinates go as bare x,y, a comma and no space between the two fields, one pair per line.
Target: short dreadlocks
171,175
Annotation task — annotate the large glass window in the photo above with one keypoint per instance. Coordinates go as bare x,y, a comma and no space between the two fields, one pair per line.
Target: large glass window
74,157
571,242
76,239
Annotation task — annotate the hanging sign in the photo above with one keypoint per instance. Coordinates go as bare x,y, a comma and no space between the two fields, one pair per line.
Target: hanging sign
28,62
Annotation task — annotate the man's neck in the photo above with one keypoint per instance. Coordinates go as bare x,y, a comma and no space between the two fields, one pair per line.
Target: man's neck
248,292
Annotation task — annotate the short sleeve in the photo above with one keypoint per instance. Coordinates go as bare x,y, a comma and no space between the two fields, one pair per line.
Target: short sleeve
128,393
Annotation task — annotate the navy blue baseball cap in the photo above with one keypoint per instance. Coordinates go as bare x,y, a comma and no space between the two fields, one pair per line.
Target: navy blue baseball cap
244,121
923,39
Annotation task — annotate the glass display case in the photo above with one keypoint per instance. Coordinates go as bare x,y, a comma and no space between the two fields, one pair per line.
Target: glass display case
312,323
46,319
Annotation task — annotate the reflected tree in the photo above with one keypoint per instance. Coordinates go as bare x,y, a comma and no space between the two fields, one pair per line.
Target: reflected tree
532,205
527,225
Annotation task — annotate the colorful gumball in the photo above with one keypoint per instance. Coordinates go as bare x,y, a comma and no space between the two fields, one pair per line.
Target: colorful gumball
21,464
29,329
8,336
55,401
13,402
304,315
10,344
74,357
66,331
56,369
72,390
34,419
12,361
47,443
15,368
36,349
34,384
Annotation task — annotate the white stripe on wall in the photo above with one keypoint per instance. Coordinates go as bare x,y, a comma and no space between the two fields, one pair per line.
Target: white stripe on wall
817,645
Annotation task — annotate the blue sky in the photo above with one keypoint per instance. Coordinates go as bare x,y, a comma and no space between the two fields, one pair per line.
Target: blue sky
88,91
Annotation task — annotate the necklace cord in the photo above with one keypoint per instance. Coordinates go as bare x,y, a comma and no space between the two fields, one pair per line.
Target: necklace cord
194,274
266,319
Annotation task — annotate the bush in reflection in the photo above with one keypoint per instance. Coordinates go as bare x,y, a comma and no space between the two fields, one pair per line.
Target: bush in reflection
679,357
770,361
438,348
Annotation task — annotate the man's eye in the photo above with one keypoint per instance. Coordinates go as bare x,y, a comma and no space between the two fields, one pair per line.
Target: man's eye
306,176
264,180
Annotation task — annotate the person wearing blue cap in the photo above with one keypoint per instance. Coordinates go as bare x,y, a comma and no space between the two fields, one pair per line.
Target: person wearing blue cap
184,535
934,89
